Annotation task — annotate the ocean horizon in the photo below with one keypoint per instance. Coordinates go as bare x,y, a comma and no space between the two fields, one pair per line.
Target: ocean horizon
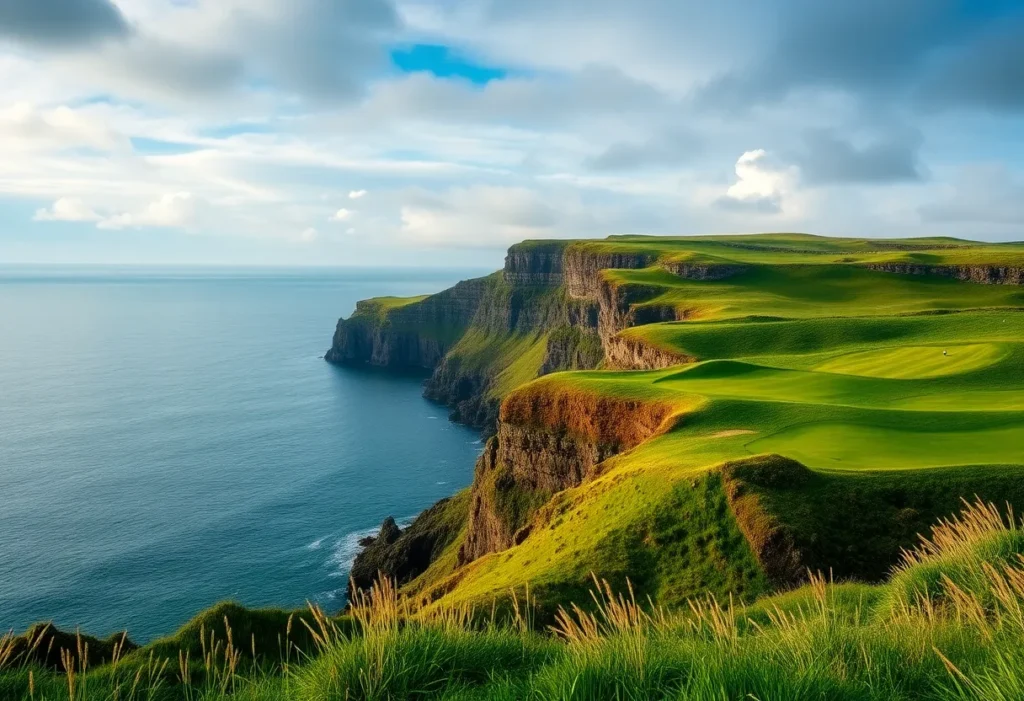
171,437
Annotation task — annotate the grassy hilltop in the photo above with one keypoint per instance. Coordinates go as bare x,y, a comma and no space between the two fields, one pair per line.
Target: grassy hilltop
700,423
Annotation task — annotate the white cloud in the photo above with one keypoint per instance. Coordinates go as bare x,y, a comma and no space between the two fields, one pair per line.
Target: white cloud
28,127
494,216
67,209
177,210
761,184
308,235
356,194
342,215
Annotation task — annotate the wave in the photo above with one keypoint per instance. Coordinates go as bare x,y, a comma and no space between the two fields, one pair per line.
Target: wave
345,549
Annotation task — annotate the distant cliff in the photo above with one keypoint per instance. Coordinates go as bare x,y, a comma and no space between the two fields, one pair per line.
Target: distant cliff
548,310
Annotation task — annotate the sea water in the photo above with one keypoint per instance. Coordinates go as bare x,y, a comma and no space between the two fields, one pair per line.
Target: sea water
171,438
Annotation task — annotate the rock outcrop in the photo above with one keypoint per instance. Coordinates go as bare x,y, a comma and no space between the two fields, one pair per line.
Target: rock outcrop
628,353
690,270
550,289
983,274
47,646
402,555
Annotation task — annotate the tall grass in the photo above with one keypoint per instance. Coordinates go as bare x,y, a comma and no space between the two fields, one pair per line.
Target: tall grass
948,625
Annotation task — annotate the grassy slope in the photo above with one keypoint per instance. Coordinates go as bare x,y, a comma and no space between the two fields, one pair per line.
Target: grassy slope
846,374
946,626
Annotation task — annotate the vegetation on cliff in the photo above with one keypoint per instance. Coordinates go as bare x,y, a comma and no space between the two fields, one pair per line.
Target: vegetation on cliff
946,625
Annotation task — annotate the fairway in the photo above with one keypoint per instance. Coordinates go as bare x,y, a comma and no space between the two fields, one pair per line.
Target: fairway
852,447
915,361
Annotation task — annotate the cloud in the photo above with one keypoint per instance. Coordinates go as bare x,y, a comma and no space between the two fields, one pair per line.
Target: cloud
486,216
827,158
24,126
342,215
67,209
177,210
222,52
982,195
308,235
672,148
530,101
356,194
761,183
920,53
987,74
61,23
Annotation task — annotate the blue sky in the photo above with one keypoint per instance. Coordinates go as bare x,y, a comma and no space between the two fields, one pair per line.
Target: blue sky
437,132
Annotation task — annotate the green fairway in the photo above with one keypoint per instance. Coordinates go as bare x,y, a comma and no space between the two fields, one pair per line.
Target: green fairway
916,361
853,447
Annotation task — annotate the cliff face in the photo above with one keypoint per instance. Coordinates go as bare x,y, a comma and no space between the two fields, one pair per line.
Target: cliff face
547,441
548,289
415,335
983,274
582,269
535,263
624,353
702,271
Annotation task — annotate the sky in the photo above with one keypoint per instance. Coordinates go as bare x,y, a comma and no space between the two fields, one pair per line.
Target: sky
439,132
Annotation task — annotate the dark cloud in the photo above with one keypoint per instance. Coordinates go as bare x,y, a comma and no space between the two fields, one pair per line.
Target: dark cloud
323,49
60,22
880,48
828,158
987,74
670,149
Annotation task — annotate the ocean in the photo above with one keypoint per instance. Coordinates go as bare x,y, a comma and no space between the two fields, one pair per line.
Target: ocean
171,438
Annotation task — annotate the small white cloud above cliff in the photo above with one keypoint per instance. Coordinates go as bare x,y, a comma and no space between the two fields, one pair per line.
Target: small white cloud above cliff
342,215
356,194
762,184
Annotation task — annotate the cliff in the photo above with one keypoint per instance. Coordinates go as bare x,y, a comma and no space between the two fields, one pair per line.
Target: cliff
548,440
549,309
982,274
413,333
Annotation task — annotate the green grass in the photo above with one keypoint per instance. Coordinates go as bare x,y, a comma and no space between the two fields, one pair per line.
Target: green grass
945,627
801,291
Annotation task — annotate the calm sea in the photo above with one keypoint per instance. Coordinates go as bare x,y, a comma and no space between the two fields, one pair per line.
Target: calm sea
173,438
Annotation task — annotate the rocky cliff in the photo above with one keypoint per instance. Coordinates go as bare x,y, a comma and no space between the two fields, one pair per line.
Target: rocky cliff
552,294
403,555
983,274
627,353
413,335
548,440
